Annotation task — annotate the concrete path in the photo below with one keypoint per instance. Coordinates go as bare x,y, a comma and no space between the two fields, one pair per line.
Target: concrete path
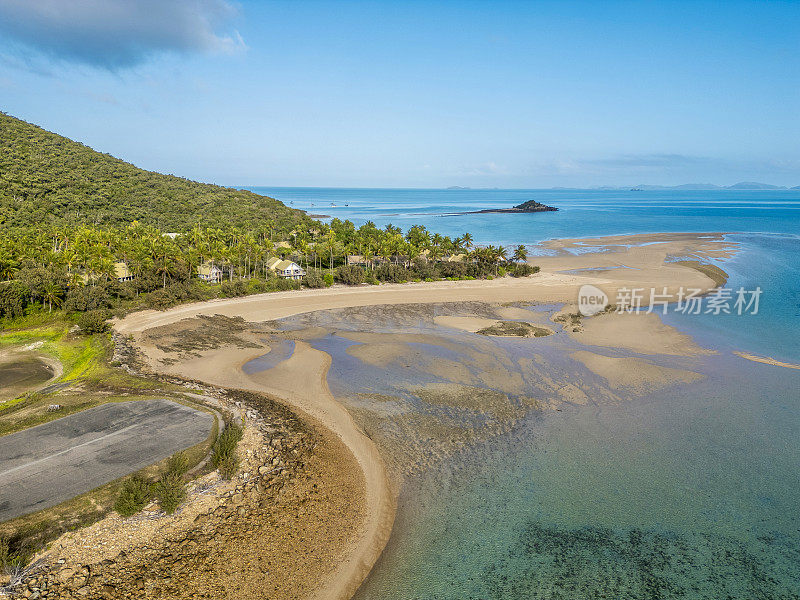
48,464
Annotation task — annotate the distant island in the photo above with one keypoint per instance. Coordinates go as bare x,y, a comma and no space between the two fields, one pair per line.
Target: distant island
531,206
742,185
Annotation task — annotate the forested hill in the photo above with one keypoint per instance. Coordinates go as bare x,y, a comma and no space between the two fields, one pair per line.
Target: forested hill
46,178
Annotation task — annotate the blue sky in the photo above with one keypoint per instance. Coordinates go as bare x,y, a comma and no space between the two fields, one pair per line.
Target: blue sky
416,94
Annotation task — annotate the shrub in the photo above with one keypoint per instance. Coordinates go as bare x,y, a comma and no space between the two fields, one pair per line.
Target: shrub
423,270
136,492
501,272
328,279
223,456
392,273
283,284
177,464
170,491
170,488
233,289
523,270
13,299
146,281
185,291
453,269
81,299
5,553
350,274
93,321
160,299
314,279
11,561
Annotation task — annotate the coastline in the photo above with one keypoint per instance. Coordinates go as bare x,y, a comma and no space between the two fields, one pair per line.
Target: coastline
311,396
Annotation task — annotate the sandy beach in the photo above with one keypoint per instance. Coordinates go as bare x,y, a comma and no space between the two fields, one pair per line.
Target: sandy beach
300,381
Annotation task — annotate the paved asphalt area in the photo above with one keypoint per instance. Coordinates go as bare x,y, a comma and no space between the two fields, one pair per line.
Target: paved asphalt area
48,464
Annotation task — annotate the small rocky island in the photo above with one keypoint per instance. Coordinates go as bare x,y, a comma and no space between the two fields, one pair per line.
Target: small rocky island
531,206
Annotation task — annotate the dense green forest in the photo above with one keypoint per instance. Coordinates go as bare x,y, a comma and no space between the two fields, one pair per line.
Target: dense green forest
88,234
46,178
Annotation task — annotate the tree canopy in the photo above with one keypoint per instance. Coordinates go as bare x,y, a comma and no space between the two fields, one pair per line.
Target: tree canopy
49,179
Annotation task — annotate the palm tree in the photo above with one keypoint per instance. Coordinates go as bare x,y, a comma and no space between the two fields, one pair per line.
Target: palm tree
520,254
52,295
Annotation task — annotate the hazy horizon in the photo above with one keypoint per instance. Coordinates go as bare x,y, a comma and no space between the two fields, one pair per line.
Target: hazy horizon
721,188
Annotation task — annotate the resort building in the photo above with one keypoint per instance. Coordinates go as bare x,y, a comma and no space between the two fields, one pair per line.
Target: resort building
122,271
355,259
285,268
209,273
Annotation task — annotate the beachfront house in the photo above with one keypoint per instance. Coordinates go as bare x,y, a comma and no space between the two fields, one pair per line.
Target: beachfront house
355,259
209,273
285,268
122,272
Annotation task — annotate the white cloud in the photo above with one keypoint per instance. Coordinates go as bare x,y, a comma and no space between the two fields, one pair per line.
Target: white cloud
117,34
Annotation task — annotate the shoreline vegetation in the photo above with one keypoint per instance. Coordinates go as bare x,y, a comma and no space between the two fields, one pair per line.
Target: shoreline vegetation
85,232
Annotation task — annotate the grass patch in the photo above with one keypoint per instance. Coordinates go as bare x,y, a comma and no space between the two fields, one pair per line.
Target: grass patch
10,559
33,411
28,534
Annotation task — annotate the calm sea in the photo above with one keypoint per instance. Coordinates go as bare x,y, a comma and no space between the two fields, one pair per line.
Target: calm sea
690,493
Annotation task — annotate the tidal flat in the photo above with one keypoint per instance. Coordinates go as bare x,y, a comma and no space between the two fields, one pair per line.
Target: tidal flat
563,467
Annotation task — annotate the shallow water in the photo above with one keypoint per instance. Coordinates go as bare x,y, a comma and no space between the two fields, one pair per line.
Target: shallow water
685,493
769,262
279,352
689,494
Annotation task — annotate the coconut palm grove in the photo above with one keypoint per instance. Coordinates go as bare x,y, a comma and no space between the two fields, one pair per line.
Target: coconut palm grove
88,234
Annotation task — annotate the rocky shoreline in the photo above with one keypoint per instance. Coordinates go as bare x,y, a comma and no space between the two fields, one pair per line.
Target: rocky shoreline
228,534
169,566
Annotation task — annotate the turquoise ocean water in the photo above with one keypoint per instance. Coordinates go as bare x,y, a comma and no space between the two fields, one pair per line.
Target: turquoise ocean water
692,492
